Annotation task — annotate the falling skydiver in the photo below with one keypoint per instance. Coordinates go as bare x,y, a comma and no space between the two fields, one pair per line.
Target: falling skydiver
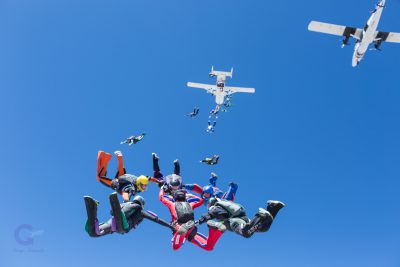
132,140
211,127
211,161
194,113
232,216
125,216
125,184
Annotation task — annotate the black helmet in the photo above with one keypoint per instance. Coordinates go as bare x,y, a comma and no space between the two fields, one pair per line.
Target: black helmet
139,200
174,182
180,196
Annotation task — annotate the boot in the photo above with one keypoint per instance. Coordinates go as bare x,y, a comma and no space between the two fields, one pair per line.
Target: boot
177,167
216,225
92,224
273,206
184,228
119,223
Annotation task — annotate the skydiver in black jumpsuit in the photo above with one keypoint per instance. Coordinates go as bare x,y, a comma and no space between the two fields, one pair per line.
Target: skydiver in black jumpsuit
232,216
126,216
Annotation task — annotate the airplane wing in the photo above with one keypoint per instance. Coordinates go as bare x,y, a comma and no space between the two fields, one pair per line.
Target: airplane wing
391,37
334,29
232,90
209,87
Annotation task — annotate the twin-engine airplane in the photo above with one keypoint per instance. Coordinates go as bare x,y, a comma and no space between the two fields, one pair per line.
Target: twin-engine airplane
220,90
364,37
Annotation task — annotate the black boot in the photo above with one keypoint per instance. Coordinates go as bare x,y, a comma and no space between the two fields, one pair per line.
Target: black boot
177,167
156,167
92,224
274,206
260,223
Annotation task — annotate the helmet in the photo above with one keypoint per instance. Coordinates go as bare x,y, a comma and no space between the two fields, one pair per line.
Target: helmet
175,182
139,200
179,196
208,191
142,182
212,202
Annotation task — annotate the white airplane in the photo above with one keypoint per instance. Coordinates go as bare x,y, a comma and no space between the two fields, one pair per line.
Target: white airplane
220,90
364,37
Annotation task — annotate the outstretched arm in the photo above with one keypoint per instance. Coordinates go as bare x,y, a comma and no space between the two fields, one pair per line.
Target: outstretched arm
204,218
195,201
121,169
214,213
167,202
159,182
194,187
153,217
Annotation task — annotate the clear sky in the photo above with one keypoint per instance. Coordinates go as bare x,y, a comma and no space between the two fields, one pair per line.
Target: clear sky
78,76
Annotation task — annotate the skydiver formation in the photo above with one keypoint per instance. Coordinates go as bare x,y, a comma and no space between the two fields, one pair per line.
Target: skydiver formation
222,212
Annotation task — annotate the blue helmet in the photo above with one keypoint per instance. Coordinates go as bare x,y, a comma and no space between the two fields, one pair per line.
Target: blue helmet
208,189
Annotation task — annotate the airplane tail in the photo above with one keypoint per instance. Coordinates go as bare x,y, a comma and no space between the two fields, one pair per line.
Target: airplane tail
214,73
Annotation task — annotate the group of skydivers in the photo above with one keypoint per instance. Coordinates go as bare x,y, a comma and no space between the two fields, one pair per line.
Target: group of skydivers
223,213
213,113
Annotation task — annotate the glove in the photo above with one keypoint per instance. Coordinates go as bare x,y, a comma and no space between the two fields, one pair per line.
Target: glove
197,223
114,184
165,188
131,192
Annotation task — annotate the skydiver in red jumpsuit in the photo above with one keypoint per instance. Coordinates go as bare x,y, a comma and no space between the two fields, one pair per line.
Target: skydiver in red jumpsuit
181,207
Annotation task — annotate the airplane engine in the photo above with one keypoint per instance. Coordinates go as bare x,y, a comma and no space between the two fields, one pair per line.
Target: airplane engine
377,44
345,41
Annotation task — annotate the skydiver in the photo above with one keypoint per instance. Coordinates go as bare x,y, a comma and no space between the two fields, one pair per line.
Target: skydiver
194,113
211,161
173,181
233,216
228,102
211,190
211,127
125,216
125,184
214,112
133,139
182,216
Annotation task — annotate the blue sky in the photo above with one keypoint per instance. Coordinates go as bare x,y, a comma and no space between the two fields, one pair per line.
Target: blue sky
79,76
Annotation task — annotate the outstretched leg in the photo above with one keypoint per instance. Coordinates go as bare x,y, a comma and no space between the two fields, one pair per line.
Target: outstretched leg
213,179
121,169
263,219
92,226
231,193
177,167
215,231
102,161
120,224
260,223
156,167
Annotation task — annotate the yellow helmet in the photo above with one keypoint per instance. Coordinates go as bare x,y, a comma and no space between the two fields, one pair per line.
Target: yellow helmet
142,182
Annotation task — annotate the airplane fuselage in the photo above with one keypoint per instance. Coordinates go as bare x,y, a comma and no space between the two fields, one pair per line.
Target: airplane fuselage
368,35
220,93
